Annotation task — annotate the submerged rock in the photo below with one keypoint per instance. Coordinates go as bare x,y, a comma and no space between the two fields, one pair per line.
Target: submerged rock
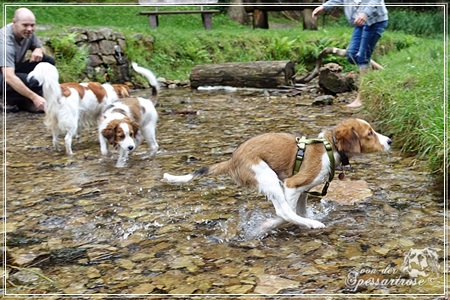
271,284
348,192
26,276
239,289
323,100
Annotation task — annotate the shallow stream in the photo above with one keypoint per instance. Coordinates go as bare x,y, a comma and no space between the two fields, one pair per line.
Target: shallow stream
79,225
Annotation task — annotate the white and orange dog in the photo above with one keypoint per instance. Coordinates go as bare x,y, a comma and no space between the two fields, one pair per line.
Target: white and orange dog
266,162
129,121
72,106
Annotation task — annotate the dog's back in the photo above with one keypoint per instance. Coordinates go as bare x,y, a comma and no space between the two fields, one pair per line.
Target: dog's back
267,147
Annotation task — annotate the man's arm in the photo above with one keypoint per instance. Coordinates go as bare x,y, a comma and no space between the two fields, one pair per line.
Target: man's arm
17,84
37,55
328,5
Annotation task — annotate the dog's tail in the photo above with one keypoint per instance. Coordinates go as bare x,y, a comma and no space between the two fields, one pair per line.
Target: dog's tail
47,76
151,79
217,169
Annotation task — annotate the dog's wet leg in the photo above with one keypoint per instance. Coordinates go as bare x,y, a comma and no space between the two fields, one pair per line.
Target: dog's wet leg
55,134
68,143
150,137
301,205
268,183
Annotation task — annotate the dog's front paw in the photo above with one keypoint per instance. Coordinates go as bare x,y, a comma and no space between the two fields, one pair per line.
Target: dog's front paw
153,153
106,153
314,224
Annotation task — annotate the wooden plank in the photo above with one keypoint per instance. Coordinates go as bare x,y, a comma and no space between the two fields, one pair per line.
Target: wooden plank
207,21
153,15
206,16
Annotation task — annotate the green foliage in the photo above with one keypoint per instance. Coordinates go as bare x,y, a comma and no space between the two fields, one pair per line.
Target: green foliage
280,48
71,60
427,23
408,97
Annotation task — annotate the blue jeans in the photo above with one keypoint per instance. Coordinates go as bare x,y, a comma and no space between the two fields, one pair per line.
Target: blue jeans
363,42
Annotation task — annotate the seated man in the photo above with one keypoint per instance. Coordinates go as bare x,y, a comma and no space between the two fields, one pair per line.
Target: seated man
20,38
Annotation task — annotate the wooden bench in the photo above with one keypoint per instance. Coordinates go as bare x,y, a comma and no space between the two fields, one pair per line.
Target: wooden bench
153,15
259,9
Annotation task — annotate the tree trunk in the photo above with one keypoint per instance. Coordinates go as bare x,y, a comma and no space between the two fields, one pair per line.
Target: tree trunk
258,74
308,22
237,13
260,19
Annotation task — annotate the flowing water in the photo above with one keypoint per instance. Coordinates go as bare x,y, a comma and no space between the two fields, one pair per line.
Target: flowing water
79,225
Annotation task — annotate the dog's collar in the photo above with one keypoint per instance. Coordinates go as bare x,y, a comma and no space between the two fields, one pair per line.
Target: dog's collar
301,144
344,158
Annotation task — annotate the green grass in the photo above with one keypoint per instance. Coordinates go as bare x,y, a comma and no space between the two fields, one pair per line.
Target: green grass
407,100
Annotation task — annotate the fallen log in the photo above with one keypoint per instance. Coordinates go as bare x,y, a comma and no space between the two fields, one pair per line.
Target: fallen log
319,62
258,74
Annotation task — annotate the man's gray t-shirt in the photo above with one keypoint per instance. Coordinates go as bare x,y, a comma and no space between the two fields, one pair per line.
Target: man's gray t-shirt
15,50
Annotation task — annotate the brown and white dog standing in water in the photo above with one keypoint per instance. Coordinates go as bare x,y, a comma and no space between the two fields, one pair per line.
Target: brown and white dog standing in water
127,122
266,162
70,106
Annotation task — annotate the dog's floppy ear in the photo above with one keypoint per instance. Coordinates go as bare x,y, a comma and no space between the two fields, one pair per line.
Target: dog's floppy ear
347,140
135,127
109,133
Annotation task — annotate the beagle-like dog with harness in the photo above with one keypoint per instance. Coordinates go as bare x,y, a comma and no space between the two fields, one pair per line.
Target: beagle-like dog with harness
270,164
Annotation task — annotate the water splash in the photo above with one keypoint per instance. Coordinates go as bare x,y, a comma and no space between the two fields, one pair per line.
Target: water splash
322,210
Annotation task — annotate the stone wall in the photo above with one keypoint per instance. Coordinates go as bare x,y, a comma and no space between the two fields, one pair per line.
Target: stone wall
106,50
107,59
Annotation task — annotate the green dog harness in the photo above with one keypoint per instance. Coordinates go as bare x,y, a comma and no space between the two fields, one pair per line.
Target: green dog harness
301,143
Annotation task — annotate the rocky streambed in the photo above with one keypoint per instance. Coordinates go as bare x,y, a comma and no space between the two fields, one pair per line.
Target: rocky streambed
80,226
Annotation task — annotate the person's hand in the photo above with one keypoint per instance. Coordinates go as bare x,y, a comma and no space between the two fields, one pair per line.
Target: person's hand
360,20
317,12
37,55
39,102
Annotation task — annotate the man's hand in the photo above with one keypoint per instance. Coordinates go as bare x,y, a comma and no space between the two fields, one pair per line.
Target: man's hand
37,55
39,102
361,19
20,87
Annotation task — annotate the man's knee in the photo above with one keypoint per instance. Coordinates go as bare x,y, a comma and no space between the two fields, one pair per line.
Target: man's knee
49,59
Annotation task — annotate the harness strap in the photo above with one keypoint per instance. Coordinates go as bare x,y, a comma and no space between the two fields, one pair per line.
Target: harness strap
301,143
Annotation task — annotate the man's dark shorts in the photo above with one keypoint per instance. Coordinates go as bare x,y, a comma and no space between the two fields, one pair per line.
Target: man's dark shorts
22,71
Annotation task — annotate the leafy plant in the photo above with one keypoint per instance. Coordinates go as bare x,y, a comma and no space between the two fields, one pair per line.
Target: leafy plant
70,58
280,48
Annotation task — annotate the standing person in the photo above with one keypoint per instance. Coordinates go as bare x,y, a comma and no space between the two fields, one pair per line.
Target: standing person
16,39
370,19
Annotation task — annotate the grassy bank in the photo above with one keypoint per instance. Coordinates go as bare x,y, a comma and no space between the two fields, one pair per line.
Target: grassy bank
406,99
